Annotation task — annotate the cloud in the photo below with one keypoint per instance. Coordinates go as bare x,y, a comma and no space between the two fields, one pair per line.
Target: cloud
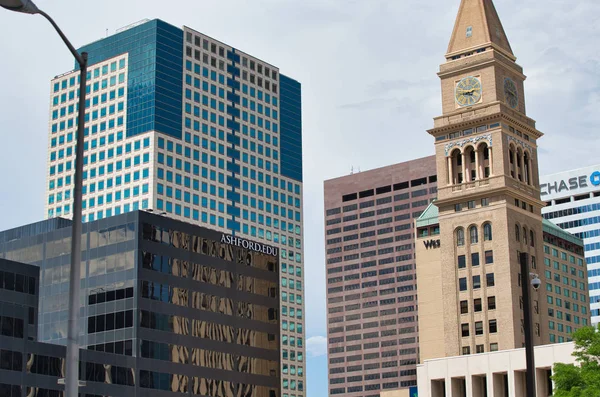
316,346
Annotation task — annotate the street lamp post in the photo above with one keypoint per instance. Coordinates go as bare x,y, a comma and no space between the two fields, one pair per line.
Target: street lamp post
72,375
527,326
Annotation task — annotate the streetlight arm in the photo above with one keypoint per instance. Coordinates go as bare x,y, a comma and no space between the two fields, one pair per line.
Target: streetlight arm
76,54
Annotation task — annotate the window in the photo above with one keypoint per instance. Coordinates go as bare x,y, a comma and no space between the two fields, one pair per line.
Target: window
485,202
517,233
464,307
460,237
489,257
491,303
473,235
463,283
466,350
478,328
476,282
493,347
490,279
475,259
487,232
479,349
477,307
493,327
465,330
462,262
532,238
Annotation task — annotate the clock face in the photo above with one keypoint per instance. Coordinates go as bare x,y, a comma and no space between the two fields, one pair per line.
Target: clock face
468,91
511,95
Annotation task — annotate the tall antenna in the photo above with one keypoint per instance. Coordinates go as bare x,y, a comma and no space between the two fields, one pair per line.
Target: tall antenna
352,170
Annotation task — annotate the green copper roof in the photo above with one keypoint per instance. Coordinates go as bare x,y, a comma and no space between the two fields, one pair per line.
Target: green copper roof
429,216
551,228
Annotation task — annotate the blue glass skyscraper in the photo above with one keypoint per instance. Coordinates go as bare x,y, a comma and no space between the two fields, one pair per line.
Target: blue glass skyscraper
182,124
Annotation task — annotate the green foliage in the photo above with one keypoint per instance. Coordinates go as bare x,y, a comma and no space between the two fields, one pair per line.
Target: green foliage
582,380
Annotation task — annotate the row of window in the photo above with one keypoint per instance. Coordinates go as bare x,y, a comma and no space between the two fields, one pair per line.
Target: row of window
473,234
17,282
291,326
463,284
293,312
580,222
292,341
466,350
110,321
106,213
572,211
492,328
225,333
488,259
568,293
477,305
123,348
382,313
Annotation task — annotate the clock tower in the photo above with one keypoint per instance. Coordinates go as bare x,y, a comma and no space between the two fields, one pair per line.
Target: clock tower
488,198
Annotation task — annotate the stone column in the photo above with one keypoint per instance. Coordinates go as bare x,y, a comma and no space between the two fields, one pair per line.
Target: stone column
491,161
450,171
464,167
478,173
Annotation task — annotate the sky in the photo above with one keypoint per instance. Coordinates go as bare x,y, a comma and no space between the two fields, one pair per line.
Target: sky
369,86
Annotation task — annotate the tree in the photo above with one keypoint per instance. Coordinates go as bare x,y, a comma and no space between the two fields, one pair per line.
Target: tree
583,379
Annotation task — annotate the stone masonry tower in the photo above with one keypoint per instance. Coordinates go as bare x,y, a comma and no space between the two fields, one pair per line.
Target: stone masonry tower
489,199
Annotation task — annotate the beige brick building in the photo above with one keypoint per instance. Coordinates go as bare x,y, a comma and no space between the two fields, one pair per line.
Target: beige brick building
488,209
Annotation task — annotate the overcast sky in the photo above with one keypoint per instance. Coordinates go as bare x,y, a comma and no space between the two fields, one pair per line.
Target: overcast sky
369,85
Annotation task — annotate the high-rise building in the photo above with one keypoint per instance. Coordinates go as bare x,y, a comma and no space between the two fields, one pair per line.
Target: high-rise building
573,203
371,285
181,123
488,207
179,307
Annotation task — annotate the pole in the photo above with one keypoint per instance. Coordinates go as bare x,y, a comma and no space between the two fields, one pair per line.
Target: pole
72,374
527,327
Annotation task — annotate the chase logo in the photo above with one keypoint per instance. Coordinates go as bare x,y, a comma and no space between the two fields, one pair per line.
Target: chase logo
595,178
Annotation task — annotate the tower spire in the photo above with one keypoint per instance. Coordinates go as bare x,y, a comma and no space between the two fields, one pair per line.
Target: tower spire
478,26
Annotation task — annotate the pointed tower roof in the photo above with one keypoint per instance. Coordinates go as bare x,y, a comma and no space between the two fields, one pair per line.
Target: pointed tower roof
478,25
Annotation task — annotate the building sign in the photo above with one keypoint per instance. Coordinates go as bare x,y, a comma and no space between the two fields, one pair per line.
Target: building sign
569,183
251,245
432,244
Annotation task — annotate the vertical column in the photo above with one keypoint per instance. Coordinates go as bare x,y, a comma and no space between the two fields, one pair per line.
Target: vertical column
514,164
530,171
464,166
491,160
478,173
450,171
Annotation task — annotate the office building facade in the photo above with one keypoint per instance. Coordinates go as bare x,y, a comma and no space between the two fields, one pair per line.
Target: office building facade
489,206
200,319
181,123
573,203
371,285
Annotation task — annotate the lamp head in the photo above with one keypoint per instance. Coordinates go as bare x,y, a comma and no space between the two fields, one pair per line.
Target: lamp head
24,6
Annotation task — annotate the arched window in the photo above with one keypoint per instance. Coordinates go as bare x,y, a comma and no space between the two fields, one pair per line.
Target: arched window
487,232
518,233
460,237
532,238
524,235
473,235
